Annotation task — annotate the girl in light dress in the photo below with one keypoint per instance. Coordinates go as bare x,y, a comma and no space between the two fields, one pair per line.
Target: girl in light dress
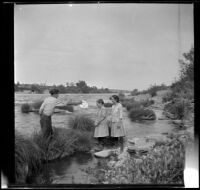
101,127
116,120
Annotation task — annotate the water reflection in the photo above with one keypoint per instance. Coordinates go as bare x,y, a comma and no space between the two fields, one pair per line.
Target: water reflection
69,169
81,158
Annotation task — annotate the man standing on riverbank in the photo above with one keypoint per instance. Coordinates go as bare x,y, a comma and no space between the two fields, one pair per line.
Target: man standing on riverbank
46,111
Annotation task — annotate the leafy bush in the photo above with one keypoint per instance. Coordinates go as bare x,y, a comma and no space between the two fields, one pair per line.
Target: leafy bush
147,102
127,101
140,114
133,105
152,90
28,158
179,108
168,97
25,108
135,92
81,122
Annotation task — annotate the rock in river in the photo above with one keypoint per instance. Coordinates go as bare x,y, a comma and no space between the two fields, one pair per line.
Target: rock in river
103,153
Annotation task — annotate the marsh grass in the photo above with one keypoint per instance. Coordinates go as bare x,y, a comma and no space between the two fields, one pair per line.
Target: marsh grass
81,122
60,145
25,108
28,158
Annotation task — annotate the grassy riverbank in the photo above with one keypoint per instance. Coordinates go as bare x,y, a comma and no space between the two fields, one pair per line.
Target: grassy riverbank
31,153
164,164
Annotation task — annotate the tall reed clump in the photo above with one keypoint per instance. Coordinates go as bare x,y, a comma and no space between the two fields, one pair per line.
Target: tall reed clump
60,145
28,158
82,128
25,108
163,165
141,114
81,122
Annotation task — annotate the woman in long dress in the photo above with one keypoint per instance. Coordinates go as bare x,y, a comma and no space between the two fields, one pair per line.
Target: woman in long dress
116,120
101,127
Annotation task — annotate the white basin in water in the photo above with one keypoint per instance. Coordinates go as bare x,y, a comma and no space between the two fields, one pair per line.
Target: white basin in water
103,153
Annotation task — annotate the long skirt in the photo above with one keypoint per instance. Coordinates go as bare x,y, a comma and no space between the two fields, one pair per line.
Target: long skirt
117,129
46,125
101,130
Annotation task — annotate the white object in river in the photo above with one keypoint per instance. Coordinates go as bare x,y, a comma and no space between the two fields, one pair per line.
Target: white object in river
84,104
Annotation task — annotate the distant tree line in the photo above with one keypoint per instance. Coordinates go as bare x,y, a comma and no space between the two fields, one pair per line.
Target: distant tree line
79,87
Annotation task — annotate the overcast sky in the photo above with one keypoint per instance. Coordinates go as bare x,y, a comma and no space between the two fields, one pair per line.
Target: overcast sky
117,46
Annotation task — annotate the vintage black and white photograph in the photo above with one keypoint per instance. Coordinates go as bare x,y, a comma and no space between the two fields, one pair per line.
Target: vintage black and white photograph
104,94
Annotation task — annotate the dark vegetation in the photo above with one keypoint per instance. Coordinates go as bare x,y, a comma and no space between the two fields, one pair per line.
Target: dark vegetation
79,87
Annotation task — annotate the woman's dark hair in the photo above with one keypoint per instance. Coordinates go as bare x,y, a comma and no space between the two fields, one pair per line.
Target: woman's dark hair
100,101
54,91
115,97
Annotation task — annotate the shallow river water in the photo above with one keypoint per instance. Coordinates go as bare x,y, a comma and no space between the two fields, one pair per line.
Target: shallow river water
70,170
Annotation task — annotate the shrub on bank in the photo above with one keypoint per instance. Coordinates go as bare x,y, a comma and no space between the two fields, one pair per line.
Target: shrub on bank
81,122
127,101
147,102
133,105
168,97
25,108
141,114
178,108
28,158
